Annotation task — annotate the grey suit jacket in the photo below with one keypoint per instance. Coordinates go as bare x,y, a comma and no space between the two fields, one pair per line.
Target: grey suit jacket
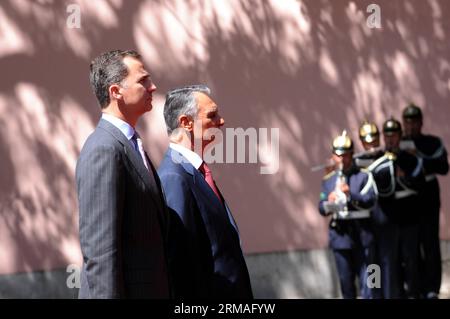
122,220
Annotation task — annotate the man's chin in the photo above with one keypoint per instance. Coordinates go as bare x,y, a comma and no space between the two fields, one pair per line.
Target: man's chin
148,107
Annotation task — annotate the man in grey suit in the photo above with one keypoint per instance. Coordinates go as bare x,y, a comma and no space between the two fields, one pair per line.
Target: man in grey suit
122,209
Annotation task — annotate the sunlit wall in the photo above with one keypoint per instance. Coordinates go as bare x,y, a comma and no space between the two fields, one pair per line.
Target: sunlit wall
308,68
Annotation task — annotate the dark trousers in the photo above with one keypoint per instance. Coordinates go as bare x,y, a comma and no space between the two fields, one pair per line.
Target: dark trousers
352,263
409,261
387,236
430,252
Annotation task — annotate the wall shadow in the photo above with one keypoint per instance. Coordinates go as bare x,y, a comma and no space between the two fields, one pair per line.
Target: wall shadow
309,68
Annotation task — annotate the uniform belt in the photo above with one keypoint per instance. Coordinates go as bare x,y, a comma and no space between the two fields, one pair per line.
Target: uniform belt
404,193
430,177
353,214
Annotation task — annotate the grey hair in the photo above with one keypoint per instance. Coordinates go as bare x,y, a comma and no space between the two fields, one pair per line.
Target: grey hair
181,101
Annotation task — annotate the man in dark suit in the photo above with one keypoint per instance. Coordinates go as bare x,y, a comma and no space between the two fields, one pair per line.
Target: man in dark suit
122,210
204,246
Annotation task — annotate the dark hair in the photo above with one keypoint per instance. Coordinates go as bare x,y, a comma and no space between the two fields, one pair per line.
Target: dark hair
182,101
107,69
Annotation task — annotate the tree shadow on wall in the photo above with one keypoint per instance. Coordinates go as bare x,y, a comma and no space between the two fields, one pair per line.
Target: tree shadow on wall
45,96
312,100
311,79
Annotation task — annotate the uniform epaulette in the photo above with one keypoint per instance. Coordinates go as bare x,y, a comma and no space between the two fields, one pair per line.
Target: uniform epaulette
329,175
365,170
390,156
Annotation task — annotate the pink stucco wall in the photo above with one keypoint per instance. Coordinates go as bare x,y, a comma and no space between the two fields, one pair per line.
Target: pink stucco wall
308,68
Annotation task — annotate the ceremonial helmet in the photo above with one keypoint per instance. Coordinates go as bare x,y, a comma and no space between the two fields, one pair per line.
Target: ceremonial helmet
412,112
368,132
342,144
391,126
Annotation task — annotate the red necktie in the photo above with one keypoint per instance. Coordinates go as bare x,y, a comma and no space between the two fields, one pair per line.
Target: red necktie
209,179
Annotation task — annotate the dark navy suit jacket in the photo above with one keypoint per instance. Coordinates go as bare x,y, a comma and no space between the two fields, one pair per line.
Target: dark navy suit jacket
205,255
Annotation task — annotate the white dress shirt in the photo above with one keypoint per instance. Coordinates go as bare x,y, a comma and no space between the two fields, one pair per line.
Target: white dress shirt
191,156
128,131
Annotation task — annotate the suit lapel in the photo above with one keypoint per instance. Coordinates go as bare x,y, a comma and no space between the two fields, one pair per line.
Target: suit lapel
132,155
146,176
199,180
233,222
162,198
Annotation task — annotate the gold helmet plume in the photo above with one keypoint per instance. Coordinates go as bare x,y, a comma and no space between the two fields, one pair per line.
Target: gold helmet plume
342,144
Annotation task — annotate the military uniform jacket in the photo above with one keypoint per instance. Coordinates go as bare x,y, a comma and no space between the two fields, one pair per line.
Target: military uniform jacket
433,154
398,178
352,233
367,159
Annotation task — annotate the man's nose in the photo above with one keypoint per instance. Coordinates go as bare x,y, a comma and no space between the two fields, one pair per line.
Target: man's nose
152,87
221,121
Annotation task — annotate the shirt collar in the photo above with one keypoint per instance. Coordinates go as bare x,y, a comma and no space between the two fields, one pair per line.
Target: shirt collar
191,156
123,126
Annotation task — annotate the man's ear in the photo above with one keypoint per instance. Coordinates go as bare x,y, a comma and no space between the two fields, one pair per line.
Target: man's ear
115,92
185,122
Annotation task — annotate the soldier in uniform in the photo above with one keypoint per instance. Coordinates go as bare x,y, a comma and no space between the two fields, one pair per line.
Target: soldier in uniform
348,195
431,151
399,178
384,232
